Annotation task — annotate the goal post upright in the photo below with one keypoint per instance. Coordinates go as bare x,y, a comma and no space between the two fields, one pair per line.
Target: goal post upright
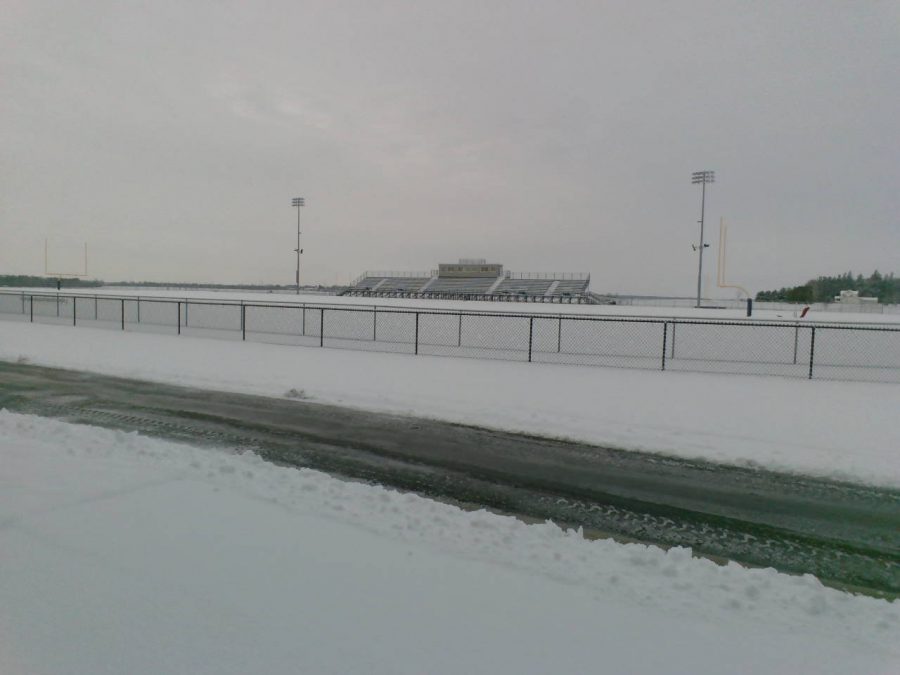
74,275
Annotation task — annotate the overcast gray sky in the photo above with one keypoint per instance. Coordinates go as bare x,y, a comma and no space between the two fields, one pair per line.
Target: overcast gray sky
548,136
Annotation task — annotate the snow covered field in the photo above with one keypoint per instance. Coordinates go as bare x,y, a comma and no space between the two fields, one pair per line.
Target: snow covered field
121,553
479,306
833,429
795,348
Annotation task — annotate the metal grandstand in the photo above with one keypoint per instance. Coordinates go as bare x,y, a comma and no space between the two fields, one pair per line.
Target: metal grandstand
476,279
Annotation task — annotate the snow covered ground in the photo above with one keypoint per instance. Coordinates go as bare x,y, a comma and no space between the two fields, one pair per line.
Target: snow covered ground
124,554
833,429
784,345
479,306
789,348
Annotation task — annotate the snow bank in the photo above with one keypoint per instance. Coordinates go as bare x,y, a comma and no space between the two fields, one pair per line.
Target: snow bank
122,553
835,429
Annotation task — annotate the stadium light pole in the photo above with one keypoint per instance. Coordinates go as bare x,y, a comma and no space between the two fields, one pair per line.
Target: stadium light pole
298,202
702,178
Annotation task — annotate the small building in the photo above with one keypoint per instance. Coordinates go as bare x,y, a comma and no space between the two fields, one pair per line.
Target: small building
854,298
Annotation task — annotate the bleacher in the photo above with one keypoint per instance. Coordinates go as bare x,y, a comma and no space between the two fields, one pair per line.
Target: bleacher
572,287
403,284
533,287
475,279
473,286
369,283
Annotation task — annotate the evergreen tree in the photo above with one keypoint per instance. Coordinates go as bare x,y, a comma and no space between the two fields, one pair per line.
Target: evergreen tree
824,289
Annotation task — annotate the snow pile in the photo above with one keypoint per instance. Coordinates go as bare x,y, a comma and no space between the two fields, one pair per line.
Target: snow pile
122,553
844,430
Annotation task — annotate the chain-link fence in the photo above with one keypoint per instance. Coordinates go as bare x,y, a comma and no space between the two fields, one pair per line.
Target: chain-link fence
863,352
847,307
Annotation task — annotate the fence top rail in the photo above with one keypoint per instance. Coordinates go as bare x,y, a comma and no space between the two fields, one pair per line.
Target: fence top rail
193,301
130,298
547,316
786,323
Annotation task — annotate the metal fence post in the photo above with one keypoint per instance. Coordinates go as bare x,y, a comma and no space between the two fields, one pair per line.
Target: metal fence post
243,321
672,354
812,350
23,303
179,317
417,333
322,328
459,332
375,324
530,336
95,308
139,309
74,309
796,337
559,336
57,305
31,308
304,321
123,313
665,337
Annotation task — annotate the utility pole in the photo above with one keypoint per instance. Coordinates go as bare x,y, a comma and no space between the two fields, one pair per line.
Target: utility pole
702,178
298,202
